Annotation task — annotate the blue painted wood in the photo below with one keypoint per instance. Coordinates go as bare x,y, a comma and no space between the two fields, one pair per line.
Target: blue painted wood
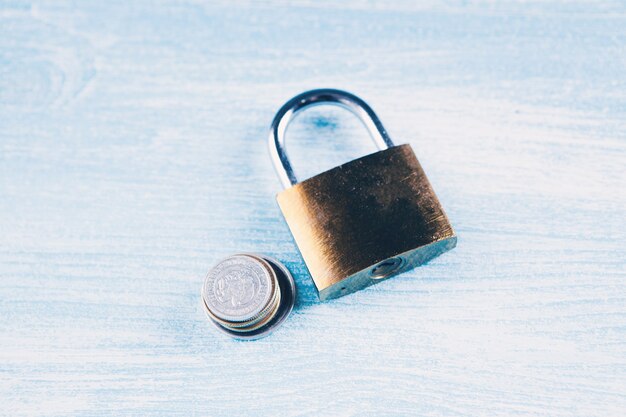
132,157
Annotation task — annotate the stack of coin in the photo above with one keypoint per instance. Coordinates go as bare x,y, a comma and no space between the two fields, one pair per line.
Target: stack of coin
244,295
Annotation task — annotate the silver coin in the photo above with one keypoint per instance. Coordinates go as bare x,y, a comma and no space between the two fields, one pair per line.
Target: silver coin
238,288
272,316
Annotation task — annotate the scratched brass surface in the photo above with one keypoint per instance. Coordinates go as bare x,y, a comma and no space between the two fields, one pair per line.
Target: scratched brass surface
350,219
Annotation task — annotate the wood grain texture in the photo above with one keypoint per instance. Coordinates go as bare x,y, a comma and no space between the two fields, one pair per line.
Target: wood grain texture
132,157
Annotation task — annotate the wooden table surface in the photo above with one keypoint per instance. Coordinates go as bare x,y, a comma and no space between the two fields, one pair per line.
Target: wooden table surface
133,157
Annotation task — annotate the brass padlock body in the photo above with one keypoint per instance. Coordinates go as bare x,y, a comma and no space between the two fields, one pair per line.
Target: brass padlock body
366,220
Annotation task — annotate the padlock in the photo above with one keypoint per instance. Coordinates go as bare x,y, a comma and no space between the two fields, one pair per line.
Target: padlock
363,221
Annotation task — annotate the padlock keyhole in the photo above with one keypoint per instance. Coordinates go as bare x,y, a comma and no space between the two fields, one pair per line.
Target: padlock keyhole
386,268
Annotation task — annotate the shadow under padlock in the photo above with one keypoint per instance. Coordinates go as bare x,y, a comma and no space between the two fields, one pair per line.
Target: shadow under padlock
365,220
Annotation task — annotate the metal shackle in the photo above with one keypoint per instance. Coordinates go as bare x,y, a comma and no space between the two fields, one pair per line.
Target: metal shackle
314,98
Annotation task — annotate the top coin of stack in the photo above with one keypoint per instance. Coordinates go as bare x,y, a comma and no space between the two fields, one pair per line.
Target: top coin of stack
242,295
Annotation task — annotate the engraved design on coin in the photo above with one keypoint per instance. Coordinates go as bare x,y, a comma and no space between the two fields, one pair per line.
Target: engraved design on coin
238,288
